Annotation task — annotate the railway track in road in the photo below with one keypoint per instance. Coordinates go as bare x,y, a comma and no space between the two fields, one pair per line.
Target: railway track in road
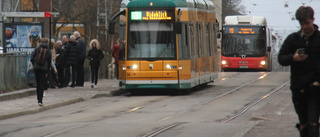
194,107
221,95
239,113
251,104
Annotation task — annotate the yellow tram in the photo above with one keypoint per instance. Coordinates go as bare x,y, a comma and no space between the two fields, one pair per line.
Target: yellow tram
170,44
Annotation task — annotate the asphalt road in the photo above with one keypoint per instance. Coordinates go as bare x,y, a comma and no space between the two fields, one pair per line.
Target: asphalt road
205,112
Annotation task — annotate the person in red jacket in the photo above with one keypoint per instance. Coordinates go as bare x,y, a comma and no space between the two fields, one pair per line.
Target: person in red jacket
115,54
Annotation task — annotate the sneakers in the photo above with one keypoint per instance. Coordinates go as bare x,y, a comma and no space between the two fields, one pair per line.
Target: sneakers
44,93
40,104
91,85
95,86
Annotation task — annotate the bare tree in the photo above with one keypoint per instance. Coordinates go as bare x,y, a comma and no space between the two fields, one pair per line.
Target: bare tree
231,7
79,12
93,14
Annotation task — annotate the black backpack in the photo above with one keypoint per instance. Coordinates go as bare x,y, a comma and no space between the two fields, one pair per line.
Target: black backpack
41,56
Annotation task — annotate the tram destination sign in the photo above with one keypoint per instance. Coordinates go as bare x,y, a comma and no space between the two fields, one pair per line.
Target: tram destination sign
242,30
151,15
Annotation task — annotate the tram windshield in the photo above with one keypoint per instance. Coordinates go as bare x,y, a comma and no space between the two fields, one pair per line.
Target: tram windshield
151,40
151,35
249,41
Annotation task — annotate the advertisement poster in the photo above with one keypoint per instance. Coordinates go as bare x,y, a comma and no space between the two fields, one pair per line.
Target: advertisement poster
21,37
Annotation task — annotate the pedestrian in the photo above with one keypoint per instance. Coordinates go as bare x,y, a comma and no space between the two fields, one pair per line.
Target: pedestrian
115,54
95,55
51,74
53,77
60,63
65,41
300,51
71,57
41,68
82,57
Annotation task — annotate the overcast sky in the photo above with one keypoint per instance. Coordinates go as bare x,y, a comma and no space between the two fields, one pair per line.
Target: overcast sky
278,16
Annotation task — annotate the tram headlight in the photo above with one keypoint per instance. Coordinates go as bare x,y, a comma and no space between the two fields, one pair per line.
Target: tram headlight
263,62
134,66
168,66
223,62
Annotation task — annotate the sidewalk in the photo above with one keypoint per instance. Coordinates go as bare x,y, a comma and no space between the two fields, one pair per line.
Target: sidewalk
24,102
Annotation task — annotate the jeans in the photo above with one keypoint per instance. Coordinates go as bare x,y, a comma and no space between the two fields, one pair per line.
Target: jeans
67,74
306,104
61,76
117,70
94,74
41,81
80,73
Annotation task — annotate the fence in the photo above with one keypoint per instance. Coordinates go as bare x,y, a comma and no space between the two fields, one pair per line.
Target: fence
13,70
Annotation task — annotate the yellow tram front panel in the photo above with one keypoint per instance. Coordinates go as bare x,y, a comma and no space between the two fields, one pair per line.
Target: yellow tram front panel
151,69
151,74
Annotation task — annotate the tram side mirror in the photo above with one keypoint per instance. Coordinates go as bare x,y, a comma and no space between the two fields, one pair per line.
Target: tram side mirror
178,27
269,49
111,27
218,35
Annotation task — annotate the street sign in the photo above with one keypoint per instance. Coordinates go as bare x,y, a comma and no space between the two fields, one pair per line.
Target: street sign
29,14
47,14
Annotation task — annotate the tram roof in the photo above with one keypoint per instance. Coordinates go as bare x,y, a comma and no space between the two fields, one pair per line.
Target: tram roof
200,4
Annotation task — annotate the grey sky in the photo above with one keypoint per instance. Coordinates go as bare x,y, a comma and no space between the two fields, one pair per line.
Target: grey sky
278,16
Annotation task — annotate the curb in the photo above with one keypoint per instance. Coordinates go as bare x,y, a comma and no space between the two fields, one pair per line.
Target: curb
32,91
18,94
40,109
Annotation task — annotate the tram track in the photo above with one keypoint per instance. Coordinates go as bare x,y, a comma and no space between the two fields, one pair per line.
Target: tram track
192,108
253,103
196,106
228,119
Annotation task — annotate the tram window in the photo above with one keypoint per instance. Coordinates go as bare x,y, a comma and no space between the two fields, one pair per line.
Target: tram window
180,45
206,42
192,38
209,39
186,34
184,49
199,41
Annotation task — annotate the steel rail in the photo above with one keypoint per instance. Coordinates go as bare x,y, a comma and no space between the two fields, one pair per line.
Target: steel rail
221,95
253,103
162,129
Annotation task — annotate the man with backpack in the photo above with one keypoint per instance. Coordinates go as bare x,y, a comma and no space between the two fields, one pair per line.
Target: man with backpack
41,61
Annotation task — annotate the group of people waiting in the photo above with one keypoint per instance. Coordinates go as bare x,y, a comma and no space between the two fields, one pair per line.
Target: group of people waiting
63,55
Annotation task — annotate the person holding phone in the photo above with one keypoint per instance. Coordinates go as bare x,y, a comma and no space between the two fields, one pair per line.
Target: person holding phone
300,51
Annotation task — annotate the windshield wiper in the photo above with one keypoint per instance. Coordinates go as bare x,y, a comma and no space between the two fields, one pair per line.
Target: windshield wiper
158,55
164,49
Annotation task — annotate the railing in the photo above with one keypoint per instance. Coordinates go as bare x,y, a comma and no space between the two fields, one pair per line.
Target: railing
13,70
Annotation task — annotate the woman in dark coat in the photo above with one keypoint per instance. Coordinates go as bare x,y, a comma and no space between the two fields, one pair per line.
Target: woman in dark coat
95,55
